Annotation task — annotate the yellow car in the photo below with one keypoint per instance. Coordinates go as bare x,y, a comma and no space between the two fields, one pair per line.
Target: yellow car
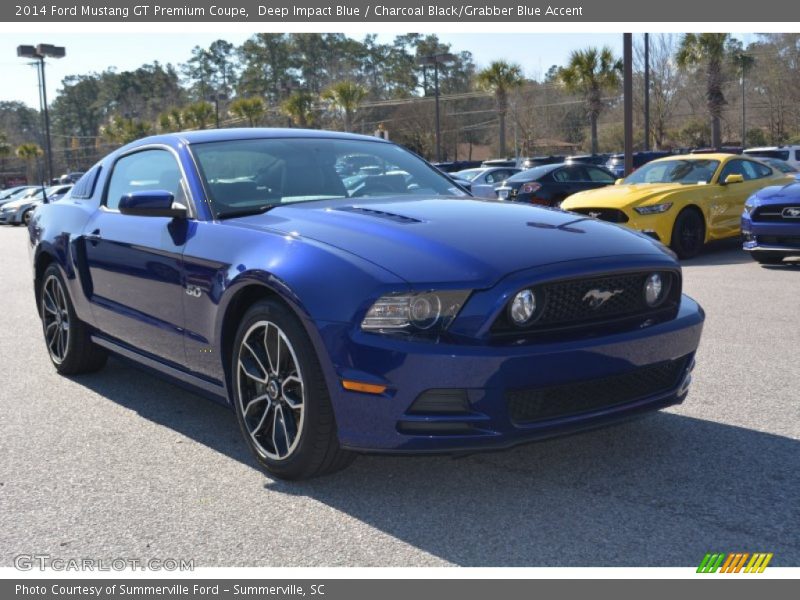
683,201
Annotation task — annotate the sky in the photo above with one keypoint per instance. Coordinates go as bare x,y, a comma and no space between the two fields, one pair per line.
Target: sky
94,52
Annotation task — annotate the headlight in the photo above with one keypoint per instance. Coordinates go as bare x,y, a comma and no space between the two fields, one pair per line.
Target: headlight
749,208
656,289
522,307
653,209
420,311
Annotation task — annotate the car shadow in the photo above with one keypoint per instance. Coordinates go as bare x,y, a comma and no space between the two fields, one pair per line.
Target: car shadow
658,491
721,252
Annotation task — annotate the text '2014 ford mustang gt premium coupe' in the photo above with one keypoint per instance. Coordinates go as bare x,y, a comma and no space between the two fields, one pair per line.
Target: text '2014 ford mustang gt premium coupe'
394,315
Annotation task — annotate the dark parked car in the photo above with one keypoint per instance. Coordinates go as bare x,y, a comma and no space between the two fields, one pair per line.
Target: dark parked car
549,185
589,159
538,161
616,162
457,165
405,317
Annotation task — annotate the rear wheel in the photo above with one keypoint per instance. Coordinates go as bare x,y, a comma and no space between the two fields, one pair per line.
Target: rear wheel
280,396
67,337
688,234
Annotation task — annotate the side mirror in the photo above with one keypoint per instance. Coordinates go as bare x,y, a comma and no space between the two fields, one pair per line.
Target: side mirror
152,203
619,181
733,178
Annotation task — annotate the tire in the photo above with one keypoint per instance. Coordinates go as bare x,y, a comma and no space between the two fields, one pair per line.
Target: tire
688,233
26,217
764,258
281,398
67,338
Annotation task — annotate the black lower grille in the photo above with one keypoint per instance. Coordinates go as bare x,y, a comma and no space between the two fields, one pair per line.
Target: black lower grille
604,214
792,240
529,406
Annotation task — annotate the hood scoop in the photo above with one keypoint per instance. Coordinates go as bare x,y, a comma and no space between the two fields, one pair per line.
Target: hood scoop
380,214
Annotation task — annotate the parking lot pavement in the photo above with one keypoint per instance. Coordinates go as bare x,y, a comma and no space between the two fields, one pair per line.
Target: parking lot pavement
120,464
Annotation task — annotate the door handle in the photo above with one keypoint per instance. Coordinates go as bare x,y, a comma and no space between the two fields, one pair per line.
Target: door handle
94,237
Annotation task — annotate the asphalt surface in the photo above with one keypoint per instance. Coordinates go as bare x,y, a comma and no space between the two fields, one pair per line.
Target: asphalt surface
120,464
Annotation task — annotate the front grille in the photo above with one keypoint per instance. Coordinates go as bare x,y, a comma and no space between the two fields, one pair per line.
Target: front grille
604,214
577,302
773,213
791,240
532,405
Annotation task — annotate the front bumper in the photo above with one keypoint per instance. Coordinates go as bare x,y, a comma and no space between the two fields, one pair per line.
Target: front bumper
488,374
774,237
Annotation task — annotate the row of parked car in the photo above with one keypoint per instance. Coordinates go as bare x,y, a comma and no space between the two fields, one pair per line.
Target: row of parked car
18,203
684,201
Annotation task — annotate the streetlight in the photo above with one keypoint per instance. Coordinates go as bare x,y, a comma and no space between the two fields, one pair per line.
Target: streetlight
39,53
436,60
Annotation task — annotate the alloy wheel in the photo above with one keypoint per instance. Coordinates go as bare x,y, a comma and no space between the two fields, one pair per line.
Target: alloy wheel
271,390
55,318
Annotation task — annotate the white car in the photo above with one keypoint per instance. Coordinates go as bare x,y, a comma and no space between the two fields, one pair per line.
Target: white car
789,154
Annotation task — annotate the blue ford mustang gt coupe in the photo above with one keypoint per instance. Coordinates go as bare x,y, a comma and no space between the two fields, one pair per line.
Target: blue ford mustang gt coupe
400,315
771,224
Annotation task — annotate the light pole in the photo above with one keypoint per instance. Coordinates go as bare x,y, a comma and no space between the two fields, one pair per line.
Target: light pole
215,98
436,60
39,53
646,91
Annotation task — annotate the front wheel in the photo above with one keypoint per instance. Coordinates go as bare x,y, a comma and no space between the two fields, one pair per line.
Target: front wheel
68,338
688,234
281,398
26,216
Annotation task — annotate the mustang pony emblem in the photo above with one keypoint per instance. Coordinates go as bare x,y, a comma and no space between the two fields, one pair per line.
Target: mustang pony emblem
597,297
792,212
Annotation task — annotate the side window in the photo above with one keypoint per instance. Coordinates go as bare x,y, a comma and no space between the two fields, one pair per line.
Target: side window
599,176
734,167
760,170
145,170
570,174
84,188
496,176
797,154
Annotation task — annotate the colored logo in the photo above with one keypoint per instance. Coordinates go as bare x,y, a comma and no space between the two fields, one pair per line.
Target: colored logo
791,212
735,562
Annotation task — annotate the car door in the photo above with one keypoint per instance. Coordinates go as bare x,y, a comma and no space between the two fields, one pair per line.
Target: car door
135,263
728,199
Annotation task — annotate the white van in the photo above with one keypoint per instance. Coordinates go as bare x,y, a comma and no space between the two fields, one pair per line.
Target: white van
789,154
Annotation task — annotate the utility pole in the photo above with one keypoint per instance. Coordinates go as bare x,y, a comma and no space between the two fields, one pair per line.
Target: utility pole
646,91
627,91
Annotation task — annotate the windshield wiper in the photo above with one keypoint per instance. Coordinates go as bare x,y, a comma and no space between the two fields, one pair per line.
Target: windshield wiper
245,211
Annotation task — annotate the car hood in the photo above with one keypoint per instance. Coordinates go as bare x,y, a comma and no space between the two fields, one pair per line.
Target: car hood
437,240
778,194
621,196
15,204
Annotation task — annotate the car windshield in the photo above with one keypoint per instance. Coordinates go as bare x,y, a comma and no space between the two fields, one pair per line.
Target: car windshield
781,165
683,171
250,176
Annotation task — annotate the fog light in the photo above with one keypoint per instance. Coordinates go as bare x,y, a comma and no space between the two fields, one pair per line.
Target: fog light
523,307
653,290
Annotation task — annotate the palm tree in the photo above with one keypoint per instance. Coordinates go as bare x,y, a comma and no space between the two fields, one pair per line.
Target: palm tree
589,73
123,130
697,50
251,109
198,115
299,107
30,153
345,96
500,78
